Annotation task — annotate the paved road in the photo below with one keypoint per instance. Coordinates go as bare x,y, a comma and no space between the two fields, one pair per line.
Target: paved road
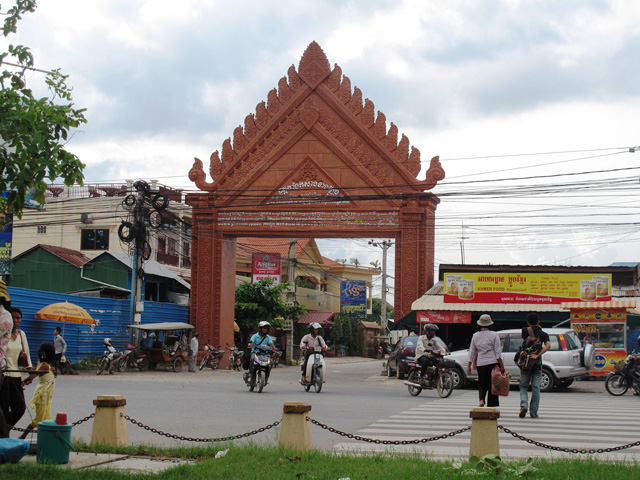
355,399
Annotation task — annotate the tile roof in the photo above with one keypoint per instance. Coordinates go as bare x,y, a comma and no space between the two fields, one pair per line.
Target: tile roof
73,257
323,318
250,245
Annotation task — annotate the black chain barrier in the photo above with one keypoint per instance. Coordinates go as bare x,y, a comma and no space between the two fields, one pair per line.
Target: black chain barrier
82,420
568,450
388,442
193,439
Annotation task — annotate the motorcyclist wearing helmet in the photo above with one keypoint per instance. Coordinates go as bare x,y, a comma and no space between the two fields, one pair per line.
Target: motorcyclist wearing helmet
307,344
261,337
427,348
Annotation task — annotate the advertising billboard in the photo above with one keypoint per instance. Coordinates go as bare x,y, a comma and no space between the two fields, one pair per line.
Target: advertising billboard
541,288
353,299
265,265
6,234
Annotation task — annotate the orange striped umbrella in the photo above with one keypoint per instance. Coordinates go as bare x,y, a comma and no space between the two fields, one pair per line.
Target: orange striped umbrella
65,312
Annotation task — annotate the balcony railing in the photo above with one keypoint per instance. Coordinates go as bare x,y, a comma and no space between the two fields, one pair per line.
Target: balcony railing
167,259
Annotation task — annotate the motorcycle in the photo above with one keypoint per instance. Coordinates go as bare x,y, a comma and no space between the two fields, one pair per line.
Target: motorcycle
109,358
276,355
626,375
314,372
235,358
132,357
259,368
438,377
211,357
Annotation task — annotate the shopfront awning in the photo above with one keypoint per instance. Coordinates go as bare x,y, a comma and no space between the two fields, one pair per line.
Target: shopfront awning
612,305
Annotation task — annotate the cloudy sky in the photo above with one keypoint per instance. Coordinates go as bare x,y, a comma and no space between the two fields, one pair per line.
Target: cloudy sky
520,99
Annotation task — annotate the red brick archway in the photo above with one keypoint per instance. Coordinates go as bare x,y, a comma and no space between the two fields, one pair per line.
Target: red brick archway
313,161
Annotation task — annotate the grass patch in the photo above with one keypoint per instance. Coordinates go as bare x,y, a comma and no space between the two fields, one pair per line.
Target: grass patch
256,462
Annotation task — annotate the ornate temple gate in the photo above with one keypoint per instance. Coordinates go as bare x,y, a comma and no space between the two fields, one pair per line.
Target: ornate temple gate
314,161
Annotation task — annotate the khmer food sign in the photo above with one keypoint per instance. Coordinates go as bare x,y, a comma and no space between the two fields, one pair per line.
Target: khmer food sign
265,265
542,288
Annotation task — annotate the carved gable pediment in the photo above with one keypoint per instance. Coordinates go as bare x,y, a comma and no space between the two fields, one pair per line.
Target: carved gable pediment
318,100
308,185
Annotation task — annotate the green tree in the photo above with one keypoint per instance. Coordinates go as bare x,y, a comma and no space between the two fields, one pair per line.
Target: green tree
341,260
263,301
336,332
355,261
375,264
33,131
376,310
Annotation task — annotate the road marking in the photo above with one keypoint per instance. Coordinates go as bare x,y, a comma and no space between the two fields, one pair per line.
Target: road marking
567,420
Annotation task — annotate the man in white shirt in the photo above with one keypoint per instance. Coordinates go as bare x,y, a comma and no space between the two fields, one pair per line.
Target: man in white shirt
193,349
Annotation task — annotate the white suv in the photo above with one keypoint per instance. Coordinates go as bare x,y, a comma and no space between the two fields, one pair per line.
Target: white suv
561,364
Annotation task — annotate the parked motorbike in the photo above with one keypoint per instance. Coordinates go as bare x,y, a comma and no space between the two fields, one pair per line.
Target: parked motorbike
314,372
235,358
259,369
133,357
211,357
64,366
109,358
626,375
438,377
276,355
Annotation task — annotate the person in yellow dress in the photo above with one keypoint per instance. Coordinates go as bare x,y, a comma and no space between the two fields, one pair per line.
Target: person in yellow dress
41,400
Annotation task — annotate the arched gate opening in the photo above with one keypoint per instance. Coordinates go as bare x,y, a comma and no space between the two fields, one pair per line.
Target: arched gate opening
313,161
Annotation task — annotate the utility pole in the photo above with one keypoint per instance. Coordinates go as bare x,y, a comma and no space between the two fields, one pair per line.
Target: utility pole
291,292
136,263
385,245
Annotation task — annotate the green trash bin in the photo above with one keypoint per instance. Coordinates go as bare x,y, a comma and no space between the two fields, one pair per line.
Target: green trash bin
54,442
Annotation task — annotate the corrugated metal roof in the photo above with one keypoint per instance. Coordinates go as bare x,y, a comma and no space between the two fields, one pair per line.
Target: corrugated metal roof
323,318
74,257
150,267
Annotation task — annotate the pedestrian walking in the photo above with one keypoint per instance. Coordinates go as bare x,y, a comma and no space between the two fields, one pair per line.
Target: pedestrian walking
484,354
17,356
60,347
193,351
532,377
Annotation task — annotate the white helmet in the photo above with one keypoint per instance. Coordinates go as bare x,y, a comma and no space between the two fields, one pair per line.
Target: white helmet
314,325
264,323
107,342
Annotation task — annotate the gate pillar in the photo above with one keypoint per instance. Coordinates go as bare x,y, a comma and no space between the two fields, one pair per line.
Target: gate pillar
415,245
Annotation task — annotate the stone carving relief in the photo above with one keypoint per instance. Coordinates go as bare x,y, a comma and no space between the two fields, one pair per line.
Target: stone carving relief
264,129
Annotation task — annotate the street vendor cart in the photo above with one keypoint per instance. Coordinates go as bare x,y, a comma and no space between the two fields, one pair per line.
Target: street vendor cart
604,325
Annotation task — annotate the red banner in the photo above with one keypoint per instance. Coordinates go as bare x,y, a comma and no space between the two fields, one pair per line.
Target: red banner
441,316
265,265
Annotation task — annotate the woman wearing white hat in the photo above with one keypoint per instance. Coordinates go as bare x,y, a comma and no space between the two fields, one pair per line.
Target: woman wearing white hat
485,354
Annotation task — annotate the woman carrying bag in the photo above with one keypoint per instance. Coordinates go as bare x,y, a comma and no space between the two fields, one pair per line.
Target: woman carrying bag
18,357
484,355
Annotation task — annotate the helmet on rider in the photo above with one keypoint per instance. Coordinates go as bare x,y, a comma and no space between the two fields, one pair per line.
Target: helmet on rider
264,324
314,328
430,329
107,342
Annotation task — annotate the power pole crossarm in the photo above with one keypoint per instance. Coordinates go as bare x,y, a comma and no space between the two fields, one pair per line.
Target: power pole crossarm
385,245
